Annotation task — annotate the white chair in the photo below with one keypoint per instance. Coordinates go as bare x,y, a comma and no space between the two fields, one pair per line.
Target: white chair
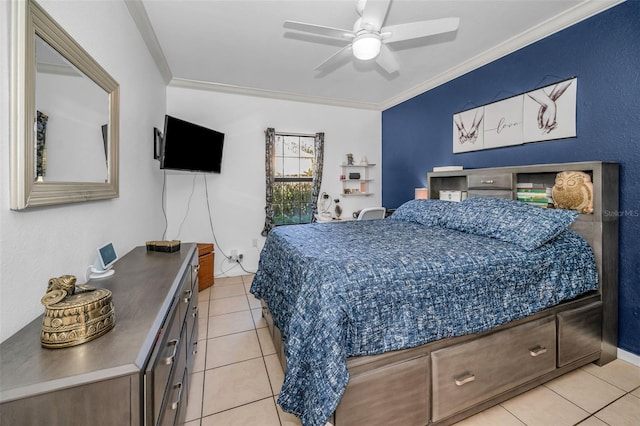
372,213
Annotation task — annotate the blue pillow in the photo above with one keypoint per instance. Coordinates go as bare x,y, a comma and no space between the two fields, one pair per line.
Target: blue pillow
507,220
425,212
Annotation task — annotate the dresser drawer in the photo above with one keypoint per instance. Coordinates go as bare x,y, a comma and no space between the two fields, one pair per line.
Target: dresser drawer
579,333
466,374
192,317
187,293
176,398
490,181
166,354
494,193
192,348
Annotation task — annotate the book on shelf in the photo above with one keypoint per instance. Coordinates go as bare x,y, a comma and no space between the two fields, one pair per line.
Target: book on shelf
543,194
447,168
535,190
530,185
541,200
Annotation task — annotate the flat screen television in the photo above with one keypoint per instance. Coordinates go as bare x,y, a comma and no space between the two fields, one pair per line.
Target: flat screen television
188,146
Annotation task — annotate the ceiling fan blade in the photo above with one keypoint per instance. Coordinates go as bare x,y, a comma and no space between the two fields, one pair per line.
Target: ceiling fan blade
418,29
335,59
320,29
374,13
386,60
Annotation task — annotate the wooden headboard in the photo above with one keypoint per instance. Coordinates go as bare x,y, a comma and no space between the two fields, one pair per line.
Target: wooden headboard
600,228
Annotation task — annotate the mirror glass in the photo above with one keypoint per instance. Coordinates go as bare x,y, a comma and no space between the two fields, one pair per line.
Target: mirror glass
64,116
72,113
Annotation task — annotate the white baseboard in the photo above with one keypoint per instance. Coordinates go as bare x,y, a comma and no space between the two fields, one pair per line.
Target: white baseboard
629,357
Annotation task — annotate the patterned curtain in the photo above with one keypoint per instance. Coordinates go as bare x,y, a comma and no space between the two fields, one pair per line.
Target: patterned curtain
270,164
317,173
41,154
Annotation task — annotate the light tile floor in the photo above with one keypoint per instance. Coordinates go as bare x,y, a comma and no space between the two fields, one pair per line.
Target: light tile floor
237,377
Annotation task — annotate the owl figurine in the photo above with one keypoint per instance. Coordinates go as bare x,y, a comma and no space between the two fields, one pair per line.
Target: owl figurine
573,190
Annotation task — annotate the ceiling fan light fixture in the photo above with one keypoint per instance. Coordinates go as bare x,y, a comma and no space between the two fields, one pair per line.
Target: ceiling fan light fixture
366,46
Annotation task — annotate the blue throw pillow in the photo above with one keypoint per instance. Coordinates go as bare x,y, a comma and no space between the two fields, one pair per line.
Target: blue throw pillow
507,220
425,212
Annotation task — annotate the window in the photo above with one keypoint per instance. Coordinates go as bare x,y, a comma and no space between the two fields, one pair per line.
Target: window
293,179
293,176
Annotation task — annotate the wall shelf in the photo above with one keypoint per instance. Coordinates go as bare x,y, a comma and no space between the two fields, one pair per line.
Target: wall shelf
356,187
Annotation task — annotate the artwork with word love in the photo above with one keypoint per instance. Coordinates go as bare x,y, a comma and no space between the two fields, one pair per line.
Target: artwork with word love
543,114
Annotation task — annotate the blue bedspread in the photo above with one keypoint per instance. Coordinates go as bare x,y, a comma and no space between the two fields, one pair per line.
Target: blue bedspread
365,287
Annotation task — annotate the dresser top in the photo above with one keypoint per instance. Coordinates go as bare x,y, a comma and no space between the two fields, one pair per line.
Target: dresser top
143,287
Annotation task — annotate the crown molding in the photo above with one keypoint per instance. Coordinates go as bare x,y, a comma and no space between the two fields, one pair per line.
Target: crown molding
580,12
141,19
272,94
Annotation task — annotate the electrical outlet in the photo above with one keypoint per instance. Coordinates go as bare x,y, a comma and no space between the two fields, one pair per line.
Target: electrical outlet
234,255
240,257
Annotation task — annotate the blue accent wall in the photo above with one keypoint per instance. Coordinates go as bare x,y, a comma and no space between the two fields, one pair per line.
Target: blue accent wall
603,52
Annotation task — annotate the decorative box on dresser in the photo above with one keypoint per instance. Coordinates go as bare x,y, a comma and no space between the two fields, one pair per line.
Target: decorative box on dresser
136,374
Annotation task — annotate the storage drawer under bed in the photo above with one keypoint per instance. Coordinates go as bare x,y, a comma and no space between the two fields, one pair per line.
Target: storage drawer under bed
469,373
579,333
399,393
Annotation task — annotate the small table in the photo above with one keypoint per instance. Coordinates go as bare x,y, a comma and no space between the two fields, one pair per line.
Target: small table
205,259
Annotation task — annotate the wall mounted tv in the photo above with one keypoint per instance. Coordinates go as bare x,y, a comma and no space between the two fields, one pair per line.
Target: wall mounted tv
188,146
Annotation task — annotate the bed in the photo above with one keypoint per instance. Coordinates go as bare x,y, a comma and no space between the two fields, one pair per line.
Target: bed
432,314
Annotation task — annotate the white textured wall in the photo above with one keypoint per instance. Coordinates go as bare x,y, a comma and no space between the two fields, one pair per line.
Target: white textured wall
237,195
36,245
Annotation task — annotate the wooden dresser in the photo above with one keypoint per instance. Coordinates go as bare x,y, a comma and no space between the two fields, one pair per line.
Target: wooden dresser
136,374
206,258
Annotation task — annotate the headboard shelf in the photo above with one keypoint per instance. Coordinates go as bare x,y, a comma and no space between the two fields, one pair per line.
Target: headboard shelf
600,228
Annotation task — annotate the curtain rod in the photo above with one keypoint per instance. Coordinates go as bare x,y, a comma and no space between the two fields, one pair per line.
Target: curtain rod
311,135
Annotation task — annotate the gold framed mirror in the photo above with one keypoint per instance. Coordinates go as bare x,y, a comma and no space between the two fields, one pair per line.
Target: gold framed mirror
64,116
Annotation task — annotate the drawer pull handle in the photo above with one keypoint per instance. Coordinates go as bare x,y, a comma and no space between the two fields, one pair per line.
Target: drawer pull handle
195,312
538,350
196,268
176,403
169,360
464,379
488,181
195,348
187,297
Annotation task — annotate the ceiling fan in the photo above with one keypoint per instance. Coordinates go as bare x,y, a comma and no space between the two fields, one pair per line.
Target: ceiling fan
369,39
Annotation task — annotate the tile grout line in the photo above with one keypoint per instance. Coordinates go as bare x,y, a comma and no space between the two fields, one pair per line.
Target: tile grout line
611,403
603,379
237,406
589,415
